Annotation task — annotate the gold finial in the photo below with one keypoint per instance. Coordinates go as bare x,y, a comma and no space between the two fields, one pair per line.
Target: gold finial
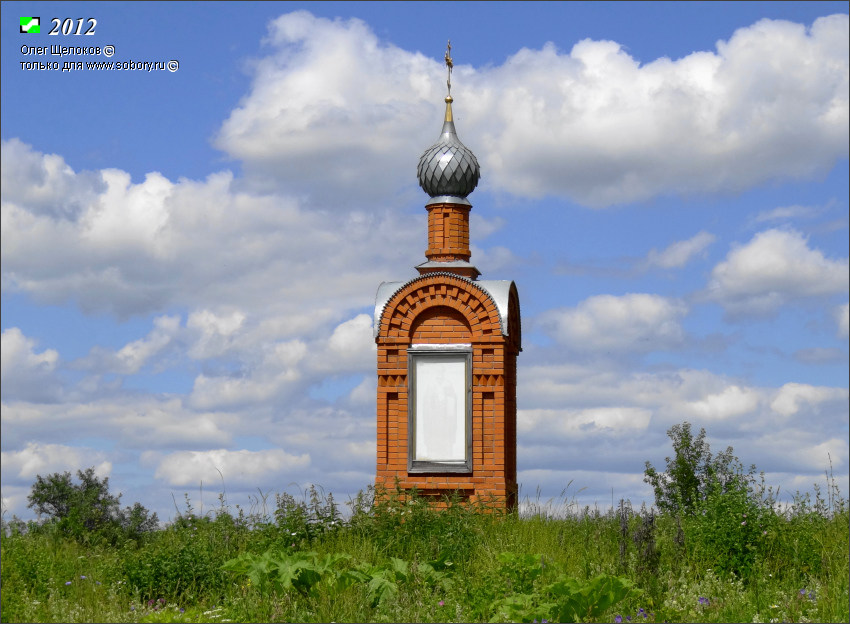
449,65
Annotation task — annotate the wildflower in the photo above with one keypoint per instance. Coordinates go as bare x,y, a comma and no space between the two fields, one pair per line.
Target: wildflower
703,601
642,613
743,523
618,619
441,603
67,582
82,577
182,610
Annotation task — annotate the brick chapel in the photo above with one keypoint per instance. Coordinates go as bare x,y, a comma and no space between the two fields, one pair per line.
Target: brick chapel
447,348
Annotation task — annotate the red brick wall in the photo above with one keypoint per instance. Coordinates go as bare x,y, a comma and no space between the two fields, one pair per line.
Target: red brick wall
448,232
444,309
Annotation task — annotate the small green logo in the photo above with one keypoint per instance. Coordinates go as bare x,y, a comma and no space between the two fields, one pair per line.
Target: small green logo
30,25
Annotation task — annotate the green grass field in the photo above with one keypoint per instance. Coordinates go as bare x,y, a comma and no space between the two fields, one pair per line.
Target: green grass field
402,561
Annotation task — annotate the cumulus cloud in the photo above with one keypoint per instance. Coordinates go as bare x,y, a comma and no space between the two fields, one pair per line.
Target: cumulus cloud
24,373
138,248
351,345
630,323
130,358
775,267
215,332
273,377
539,424
842,318
585,417
52,188
132,421
241,467
792,397
679,253
44,459
730,402
332,108
331,105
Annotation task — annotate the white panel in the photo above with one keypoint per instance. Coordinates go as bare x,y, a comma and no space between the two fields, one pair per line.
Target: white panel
441,408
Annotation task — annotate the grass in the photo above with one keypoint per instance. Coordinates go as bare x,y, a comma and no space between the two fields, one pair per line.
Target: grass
402,561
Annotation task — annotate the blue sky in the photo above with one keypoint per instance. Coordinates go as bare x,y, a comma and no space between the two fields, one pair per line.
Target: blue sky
190,258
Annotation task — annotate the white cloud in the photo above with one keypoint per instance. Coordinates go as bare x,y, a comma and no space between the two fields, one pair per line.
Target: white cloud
633,322
52,188
334,111
576,418
132,421
273,377
331,106
791,397
354,339
842,318
541,424
731,401
140,248
786,213
776,266
241,467
25,374
365,392
130,358
680,253
215,332
44,459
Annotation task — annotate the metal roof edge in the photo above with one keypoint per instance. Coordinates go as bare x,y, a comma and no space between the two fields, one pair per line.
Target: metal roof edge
497,290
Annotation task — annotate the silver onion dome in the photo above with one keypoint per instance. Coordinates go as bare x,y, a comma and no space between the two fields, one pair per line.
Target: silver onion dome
448,167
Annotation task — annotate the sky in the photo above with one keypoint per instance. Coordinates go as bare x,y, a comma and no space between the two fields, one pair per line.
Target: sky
190,258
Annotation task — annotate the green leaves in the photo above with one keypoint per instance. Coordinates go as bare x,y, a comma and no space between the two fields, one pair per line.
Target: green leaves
298,571
304,571
564,600
585,601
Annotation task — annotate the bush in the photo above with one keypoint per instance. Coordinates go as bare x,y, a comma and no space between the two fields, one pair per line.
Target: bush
729,513
87,511
691,474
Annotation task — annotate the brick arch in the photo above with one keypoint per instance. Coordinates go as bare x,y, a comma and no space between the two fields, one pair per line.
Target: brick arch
400,316
440,323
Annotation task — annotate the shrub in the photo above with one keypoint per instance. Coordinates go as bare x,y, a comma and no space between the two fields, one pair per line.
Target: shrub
691,473
86,510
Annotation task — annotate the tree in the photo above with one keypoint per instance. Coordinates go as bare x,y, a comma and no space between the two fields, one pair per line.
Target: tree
692,473
87,509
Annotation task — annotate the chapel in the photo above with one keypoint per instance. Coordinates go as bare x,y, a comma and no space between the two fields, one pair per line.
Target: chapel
447,350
